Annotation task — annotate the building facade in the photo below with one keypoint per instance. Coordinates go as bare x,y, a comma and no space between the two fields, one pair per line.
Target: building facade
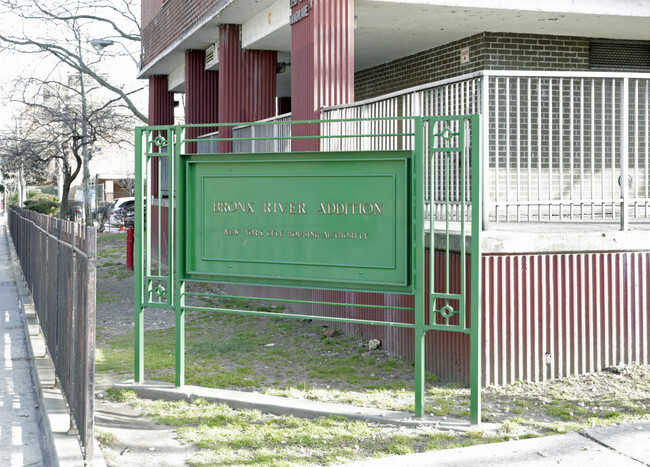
564,95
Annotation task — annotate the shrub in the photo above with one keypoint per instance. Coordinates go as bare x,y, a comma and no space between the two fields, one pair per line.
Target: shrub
40,202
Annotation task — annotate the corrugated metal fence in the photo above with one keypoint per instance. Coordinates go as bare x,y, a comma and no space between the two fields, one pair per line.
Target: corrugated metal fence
545,316
552,315
58,261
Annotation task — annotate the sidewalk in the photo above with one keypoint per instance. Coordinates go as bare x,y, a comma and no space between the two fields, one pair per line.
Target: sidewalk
612,446
22,437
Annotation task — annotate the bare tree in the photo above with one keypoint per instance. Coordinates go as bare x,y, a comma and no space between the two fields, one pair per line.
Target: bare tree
127,183
19,155
60,124
61,26
59,29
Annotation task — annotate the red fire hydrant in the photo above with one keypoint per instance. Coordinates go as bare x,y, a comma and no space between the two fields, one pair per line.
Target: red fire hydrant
130,240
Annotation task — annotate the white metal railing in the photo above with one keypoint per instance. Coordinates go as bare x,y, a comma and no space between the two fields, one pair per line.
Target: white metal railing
554,144
269,134
458,96
208,143
559,144
273,137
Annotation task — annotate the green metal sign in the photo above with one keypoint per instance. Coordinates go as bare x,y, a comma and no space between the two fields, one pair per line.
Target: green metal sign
330,220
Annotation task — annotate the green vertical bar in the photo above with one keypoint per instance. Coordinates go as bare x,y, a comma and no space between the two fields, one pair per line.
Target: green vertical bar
167,149
463,246
419,251
147,214
445,145
179,258
475,331
432,251
176,226
180,341
138,344
172,223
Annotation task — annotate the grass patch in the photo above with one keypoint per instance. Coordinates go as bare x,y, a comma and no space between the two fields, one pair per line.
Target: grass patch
248,437
210,349
120,395
120,273
107,297
112,253
566,411
104,438
106,237
289,358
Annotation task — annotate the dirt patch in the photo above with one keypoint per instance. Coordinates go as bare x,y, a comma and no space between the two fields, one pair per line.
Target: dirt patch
115,289
129,438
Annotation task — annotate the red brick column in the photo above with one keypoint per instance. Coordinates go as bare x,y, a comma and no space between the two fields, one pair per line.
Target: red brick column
201,96
247,82
161,112
322,61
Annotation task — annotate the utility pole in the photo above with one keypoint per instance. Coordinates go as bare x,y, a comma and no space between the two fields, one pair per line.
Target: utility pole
85,152
22,186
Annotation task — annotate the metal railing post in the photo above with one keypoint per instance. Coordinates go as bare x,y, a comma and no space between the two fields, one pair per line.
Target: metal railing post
624,148
484,150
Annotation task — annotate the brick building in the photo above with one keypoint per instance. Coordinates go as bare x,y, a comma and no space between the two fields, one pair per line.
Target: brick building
564,94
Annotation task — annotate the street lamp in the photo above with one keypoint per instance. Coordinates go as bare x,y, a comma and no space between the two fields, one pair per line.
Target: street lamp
101,44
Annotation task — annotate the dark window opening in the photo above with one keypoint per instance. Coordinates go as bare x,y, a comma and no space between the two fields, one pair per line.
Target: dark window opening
619,54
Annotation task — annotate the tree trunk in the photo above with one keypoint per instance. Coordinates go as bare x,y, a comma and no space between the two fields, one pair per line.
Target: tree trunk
22,187
65,192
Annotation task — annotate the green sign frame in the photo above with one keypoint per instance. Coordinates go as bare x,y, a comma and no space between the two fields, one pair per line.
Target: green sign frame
319,220
180,229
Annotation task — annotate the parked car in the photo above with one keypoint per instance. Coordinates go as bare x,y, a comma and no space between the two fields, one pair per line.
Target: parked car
119,210
129,216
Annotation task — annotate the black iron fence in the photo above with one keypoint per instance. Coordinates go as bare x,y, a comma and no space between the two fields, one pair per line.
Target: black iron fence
58,259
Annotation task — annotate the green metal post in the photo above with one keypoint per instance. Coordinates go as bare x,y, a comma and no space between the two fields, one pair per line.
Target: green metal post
176,218
475,331
138,358
419,283
463,152
180,346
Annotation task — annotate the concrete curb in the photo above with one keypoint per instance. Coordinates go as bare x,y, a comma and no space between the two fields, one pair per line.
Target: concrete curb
296,407
63,444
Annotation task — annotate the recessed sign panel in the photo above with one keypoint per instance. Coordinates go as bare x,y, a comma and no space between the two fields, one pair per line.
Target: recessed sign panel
323,219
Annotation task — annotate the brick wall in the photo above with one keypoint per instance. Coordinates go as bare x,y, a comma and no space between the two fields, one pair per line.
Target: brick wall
165,21
149,9
487,51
